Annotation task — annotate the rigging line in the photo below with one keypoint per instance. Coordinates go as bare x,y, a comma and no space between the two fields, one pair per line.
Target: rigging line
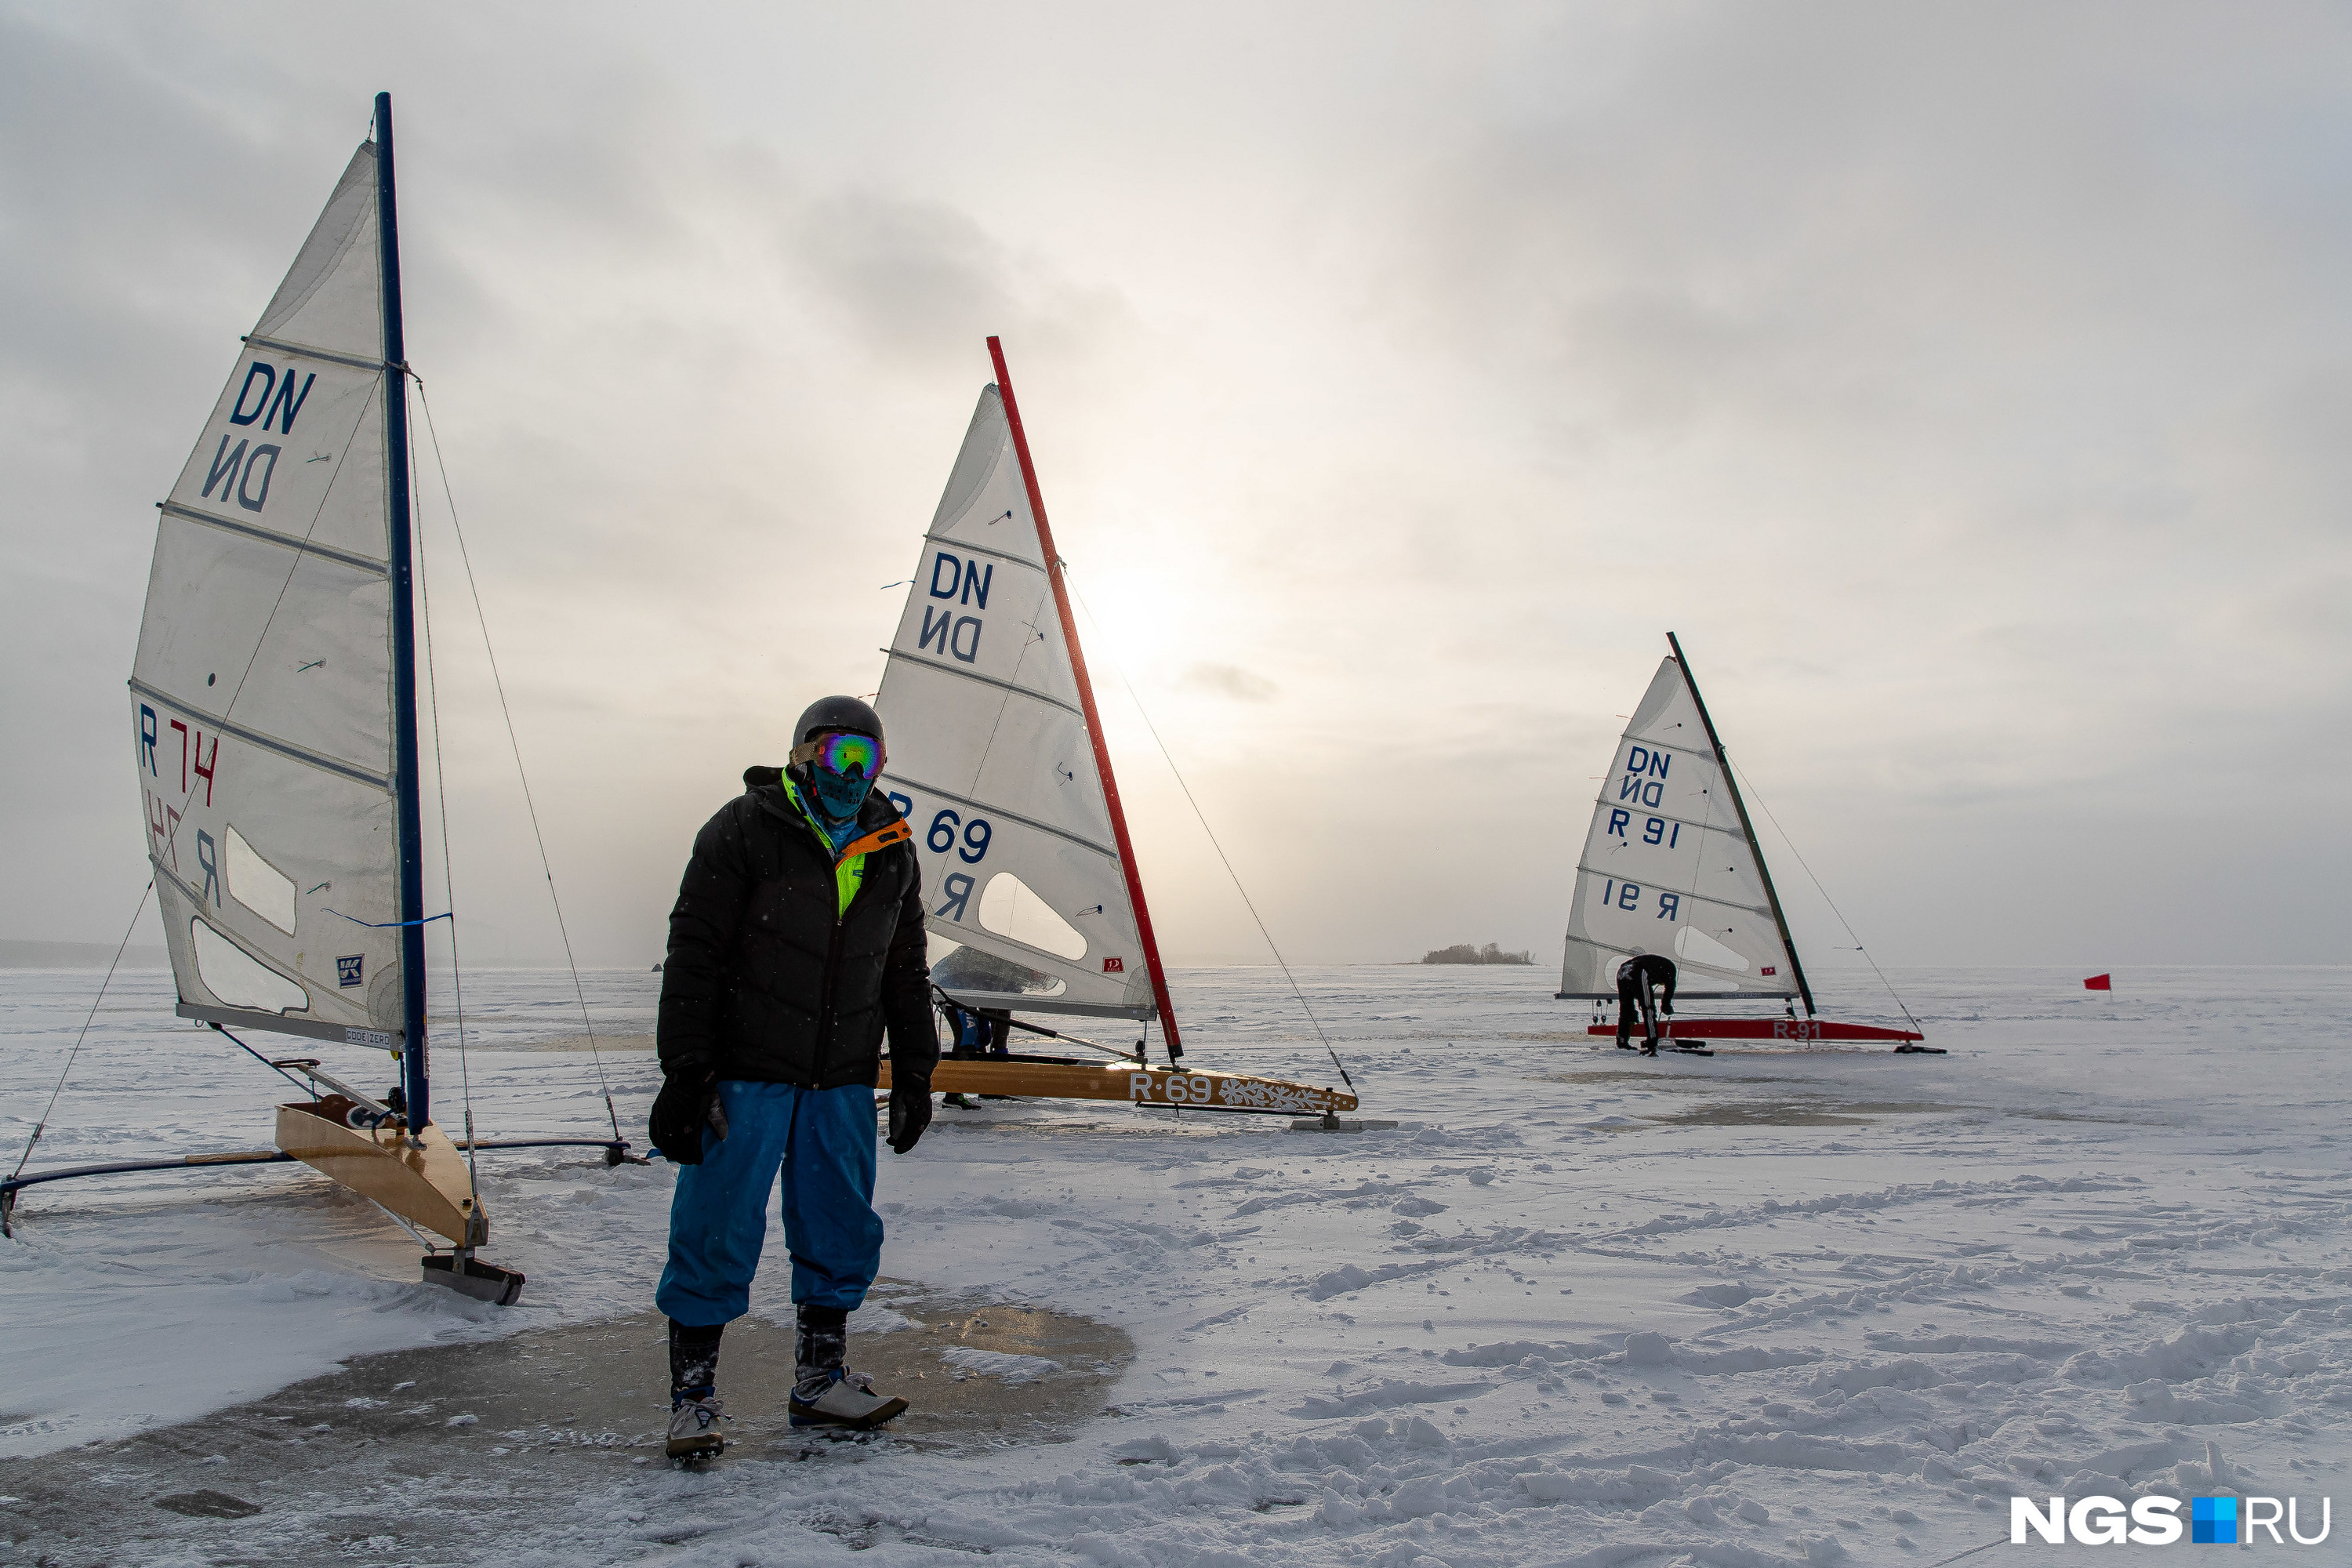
415,1234
1203,819
42,1125
448,877
265,1061
1113,1051
449,915
498,684
1824,892
1012,679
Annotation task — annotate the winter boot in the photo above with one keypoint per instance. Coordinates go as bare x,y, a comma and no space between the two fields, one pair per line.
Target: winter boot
694,1410
824,1393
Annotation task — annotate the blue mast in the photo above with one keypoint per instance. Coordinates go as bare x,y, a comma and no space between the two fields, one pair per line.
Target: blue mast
414,1085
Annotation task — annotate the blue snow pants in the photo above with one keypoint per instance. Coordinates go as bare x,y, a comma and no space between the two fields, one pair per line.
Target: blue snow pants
822,1142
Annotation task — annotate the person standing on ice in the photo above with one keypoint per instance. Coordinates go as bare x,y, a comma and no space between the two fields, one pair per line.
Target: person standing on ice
1635,977
797,943
974,1034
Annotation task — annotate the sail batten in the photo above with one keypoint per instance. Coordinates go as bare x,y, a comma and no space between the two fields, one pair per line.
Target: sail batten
272,536
310,351
985,680
1670,864
254,737
894,776
971,548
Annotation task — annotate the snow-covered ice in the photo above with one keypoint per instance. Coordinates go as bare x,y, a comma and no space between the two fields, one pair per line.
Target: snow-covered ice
1580,1308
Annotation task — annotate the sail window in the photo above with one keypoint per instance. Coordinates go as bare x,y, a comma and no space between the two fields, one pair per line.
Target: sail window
1696,945
1010,908
970,969
258,885
236,980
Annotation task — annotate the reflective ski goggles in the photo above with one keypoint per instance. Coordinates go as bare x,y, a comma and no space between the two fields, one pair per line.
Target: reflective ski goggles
844,753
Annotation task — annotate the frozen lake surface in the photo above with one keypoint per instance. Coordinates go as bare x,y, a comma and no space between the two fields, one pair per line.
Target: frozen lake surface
1580,1307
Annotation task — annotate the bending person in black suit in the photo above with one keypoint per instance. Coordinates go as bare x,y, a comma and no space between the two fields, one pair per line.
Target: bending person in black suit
1635,977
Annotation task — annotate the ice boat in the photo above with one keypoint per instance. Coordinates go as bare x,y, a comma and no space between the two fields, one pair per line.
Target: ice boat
273,721
997,763
1671,866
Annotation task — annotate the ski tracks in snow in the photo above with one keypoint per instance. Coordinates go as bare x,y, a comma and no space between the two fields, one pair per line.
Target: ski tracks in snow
1579,1309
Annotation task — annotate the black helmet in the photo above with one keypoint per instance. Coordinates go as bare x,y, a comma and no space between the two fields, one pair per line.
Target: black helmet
837,713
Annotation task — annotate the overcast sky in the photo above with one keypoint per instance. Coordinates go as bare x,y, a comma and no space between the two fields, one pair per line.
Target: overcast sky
1968,387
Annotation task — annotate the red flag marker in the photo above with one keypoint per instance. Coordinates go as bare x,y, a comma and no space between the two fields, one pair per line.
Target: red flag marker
2098,982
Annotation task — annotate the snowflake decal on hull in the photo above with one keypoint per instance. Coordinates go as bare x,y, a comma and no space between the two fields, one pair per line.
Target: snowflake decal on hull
1257,1094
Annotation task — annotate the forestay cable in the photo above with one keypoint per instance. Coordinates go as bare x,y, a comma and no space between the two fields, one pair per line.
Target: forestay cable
1824,892
1202,818
448,877
42,1125
499,683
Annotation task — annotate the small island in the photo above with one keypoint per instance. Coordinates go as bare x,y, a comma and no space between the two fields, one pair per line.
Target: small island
1463,952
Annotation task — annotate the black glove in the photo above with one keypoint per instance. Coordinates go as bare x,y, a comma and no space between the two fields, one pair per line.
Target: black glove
688,1103
910,1111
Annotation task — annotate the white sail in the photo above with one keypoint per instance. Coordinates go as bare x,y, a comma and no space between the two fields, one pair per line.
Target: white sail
1669,867
990,759
261,696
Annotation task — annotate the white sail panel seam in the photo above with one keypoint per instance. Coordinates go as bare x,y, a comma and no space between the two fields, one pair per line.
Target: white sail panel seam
984,549
272,536
280,345
1700,751
986,680
167,874
999,811
266,742
1729,829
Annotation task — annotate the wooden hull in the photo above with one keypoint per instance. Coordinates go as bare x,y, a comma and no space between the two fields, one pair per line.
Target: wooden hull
428,1188
1791,1031
1027,1079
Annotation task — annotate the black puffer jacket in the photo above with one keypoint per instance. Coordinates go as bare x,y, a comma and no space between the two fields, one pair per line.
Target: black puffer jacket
763,981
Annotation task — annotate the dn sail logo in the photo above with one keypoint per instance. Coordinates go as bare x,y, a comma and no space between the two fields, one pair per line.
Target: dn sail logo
2156,1522
961,581
236,472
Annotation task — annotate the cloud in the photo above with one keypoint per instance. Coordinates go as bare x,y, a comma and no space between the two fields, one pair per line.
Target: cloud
1231,680
1964,385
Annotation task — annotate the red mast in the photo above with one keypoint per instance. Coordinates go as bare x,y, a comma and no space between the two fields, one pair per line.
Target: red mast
1086,701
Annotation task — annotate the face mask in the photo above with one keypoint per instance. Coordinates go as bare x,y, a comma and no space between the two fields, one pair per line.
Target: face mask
836,796
841,769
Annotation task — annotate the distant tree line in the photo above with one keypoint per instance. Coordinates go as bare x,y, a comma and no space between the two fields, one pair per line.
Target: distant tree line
1463,952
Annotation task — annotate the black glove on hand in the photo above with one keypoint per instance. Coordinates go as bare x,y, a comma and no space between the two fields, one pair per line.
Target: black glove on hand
910,1111
688,1103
